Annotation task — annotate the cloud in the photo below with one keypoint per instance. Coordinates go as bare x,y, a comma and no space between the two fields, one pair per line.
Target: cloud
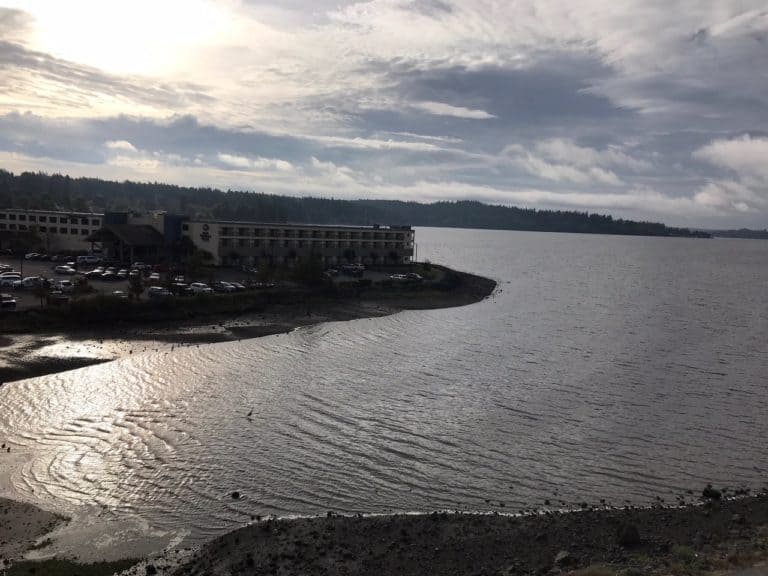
122,145
562,160
257,163
634,107
442,109
745,155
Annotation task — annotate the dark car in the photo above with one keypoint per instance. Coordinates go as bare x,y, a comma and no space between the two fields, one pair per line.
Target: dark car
7,302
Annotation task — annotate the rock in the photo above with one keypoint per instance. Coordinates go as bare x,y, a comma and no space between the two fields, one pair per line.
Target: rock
151,570
563,558
628,536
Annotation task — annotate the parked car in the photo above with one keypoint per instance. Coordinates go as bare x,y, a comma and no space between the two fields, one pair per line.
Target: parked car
223,287
8,279
134,273
7,302
89,259
109,275
179,279
155,277
180,289
65,269
200,288
119,294
32,256
239,287
95,273
158,292
64,286
6,268
29,283
122,274
139,265
413,277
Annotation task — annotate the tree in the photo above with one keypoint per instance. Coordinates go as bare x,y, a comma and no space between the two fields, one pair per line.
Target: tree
41,290
136,287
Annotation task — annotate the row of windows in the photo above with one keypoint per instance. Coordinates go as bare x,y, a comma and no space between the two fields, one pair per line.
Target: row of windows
47,229
273,243
314,234
50,219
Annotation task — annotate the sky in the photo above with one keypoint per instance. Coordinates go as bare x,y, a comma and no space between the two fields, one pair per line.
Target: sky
644,109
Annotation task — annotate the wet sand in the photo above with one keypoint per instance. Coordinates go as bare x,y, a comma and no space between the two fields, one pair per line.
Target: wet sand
21,526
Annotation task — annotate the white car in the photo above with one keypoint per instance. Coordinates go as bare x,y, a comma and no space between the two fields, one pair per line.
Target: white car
200,288
8,279
155,276
28,283
65,286
65,270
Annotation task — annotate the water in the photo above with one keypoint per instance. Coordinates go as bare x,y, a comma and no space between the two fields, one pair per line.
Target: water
603,367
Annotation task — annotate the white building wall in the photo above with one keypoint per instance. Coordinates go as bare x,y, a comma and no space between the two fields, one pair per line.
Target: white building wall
58,231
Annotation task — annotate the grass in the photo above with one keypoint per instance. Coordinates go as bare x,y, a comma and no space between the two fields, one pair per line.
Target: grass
596,570
55,567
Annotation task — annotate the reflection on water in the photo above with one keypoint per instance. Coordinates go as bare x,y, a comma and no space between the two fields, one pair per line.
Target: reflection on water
618,368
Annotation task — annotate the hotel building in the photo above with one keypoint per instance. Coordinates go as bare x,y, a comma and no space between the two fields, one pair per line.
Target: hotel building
159,236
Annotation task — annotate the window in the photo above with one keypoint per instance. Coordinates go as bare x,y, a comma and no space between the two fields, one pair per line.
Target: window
184,227
242,231
12,227
226,242
43,218
33,218
84,232
2,216
43,229
62,230
22,217
73,231
62,220
11,216
2,226
242,242
84,221
22,226
96,223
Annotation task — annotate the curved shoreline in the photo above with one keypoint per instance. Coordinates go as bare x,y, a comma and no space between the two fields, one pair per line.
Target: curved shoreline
693,539
23,352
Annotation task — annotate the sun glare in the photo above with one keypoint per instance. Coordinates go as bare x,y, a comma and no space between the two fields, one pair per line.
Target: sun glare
137,37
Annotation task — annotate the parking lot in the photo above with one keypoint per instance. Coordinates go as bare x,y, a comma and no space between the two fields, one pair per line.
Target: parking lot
25,299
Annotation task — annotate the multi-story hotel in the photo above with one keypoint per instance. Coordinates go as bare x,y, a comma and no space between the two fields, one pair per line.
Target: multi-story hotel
158,236
57,231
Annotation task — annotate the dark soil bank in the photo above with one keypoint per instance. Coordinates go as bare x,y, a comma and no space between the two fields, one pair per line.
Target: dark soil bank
689,540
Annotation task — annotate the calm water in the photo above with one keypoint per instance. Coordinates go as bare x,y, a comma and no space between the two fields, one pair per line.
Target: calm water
603,367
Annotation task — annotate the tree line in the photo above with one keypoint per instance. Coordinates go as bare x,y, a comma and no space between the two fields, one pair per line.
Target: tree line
40,191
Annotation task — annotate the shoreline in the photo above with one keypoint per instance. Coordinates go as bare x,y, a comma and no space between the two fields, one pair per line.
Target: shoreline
35,349
713,537
708,537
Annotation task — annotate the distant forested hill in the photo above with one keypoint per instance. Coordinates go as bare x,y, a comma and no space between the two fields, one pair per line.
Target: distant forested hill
47,192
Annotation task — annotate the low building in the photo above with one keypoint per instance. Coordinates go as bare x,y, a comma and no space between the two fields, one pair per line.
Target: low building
160,236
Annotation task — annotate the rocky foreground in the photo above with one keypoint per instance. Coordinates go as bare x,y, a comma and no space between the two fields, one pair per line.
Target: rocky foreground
717,535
